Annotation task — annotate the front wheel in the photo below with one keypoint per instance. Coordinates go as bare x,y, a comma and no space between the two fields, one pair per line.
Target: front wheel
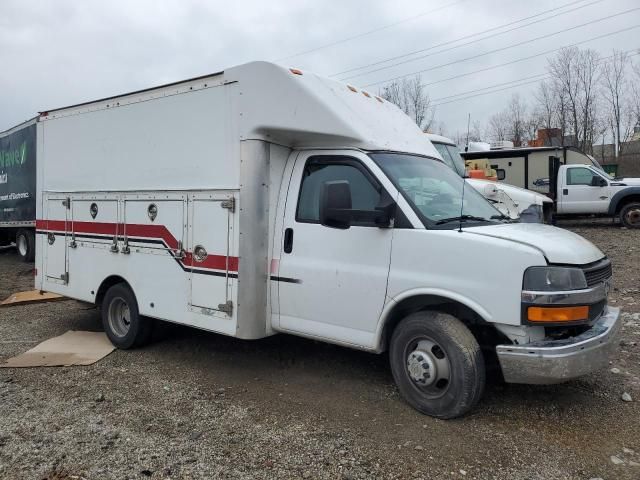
437,364
630,215
122,323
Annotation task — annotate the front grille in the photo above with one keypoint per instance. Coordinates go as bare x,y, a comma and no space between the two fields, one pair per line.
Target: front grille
597,272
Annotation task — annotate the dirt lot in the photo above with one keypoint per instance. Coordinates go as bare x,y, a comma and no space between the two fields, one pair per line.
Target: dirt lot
199,405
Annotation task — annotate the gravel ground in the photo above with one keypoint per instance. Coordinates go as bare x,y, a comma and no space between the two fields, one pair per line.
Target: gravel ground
199,405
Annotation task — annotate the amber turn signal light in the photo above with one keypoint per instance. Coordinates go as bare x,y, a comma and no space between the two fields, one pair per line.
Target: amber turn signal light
557,314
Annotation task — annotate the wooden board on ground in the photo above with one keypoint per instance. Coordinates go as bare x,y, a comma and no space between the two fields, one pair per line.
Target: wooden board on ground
71,348
32,296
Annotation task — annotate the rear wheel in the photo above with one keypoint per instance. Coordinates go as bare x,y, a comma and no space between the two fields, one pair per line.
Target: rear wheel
121,321
630,215
25,244
437,364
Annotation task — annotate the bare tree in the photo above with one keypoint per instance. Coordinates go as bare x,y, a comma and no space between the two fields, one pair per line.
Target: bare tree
547,105
635,97
517,118
616,88
412,98
575,75
498,128
511,124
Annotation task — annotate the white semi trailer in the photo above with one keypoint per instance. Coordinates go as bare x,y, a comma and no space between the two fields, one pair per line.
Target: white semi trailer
265,200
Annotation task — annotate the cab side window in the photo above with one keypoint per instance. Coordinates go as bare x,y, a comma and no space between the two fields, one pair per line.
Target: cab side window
580,176
365,192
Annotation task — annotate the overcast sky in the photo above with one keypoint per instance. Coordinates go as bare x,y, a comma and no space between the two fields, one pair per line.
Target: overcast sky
55,53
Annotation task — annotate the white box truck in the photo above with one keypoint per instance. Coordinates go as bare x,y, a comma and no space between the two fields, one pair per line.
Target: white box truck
265,200
574,180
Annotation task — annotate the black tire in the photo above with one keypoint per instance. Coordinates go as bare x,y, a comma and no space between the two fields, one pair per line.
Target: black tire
122,323
630,215
26,245
455,346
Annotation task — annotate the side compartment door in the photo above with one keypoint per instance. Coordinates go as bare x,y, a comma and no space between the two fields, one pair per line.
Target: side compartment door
212,268
155,224
94,222
58,226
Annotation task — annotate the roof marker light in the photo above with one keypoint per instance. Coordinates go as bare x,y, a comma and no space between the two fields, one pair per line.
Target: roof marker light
379,99
366,94
352,88
295,71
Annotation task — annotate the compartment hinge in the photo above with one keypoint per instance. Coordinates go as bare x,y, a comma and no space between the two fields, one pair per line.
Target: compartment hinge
229,204
226,307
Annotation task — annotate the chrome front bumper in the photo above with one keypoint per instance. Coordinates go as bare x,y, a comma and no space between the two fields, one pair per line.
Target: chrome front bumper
556,361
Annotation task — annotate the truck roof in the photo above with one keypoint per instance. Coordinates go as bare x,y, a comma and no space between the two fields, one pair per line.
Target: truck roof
26,123
291,107
513,152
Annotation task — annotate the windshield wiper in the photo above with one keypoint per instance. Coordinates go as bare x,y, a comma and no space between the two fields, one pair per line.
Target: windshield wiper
462,218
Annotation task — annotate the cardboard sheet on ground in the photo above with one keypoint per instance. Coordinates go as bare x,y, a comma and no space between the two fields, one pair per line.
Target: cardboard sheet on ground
72,348
32,296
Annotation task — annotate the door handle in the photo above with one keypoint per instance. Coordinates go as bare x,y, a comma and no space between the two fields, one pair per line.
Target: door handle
603,198
565,191
288,240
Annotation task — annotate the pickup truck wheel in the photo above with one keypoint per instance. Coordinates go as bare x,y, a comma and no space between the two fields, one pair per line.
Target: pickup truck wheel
122,323
26,245
630,215
437,364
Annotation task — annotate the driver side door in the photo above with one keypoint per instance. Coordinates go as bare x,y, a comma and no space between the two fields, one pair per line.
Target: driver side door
332,282
580,195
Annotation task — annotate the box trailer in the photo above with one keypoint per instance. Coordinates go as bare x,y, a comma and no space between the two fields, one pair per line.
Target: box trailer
265,200
18,188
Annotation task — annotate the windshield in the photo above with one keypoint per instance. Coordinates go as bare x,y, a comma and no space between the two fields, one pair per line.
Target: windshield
435,191
451,156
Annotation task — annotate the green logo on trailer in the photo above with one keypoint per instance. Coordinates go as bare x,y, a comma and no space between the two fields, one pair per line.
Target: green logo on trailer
13,158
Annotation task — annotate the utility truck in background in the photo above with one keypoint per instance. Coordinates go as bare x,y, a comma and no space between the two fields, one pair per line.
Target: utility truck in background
575,181
18,188
263,200
514,202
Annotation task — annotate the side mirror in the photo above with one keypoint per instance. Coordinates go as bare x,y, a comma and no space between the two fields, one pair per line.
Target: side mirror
598,181
335,204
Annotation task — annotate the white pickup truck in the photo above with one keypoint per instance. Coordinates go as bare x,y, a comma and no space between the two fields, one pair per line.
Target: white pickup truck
587,190
264,200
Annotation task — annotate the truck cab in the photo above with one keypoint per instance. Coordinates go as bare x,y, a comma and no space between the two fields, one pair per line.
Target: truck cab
585,189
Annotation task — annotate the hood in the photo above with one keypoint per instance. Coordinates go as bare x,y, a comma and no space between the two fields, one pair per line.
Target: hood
557,245
628,181
519,195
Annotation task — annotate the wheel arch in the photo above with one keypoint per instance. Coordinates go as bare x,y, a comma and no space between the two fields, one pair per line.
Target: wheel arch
620,199
107,283
468,312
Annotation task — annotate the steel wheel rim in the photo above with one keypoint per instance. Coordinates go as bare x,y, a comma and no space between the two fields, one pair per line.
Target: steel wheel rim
427,366
633,216
22,245
119,317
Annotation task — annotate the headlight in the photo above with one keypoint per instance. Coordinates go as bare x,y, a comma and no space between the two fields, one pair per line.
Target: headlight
553,279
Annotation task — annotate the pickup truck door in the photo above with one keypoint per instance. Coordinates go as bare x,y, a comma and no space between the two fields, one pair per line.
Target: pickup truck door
331,283
581,192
